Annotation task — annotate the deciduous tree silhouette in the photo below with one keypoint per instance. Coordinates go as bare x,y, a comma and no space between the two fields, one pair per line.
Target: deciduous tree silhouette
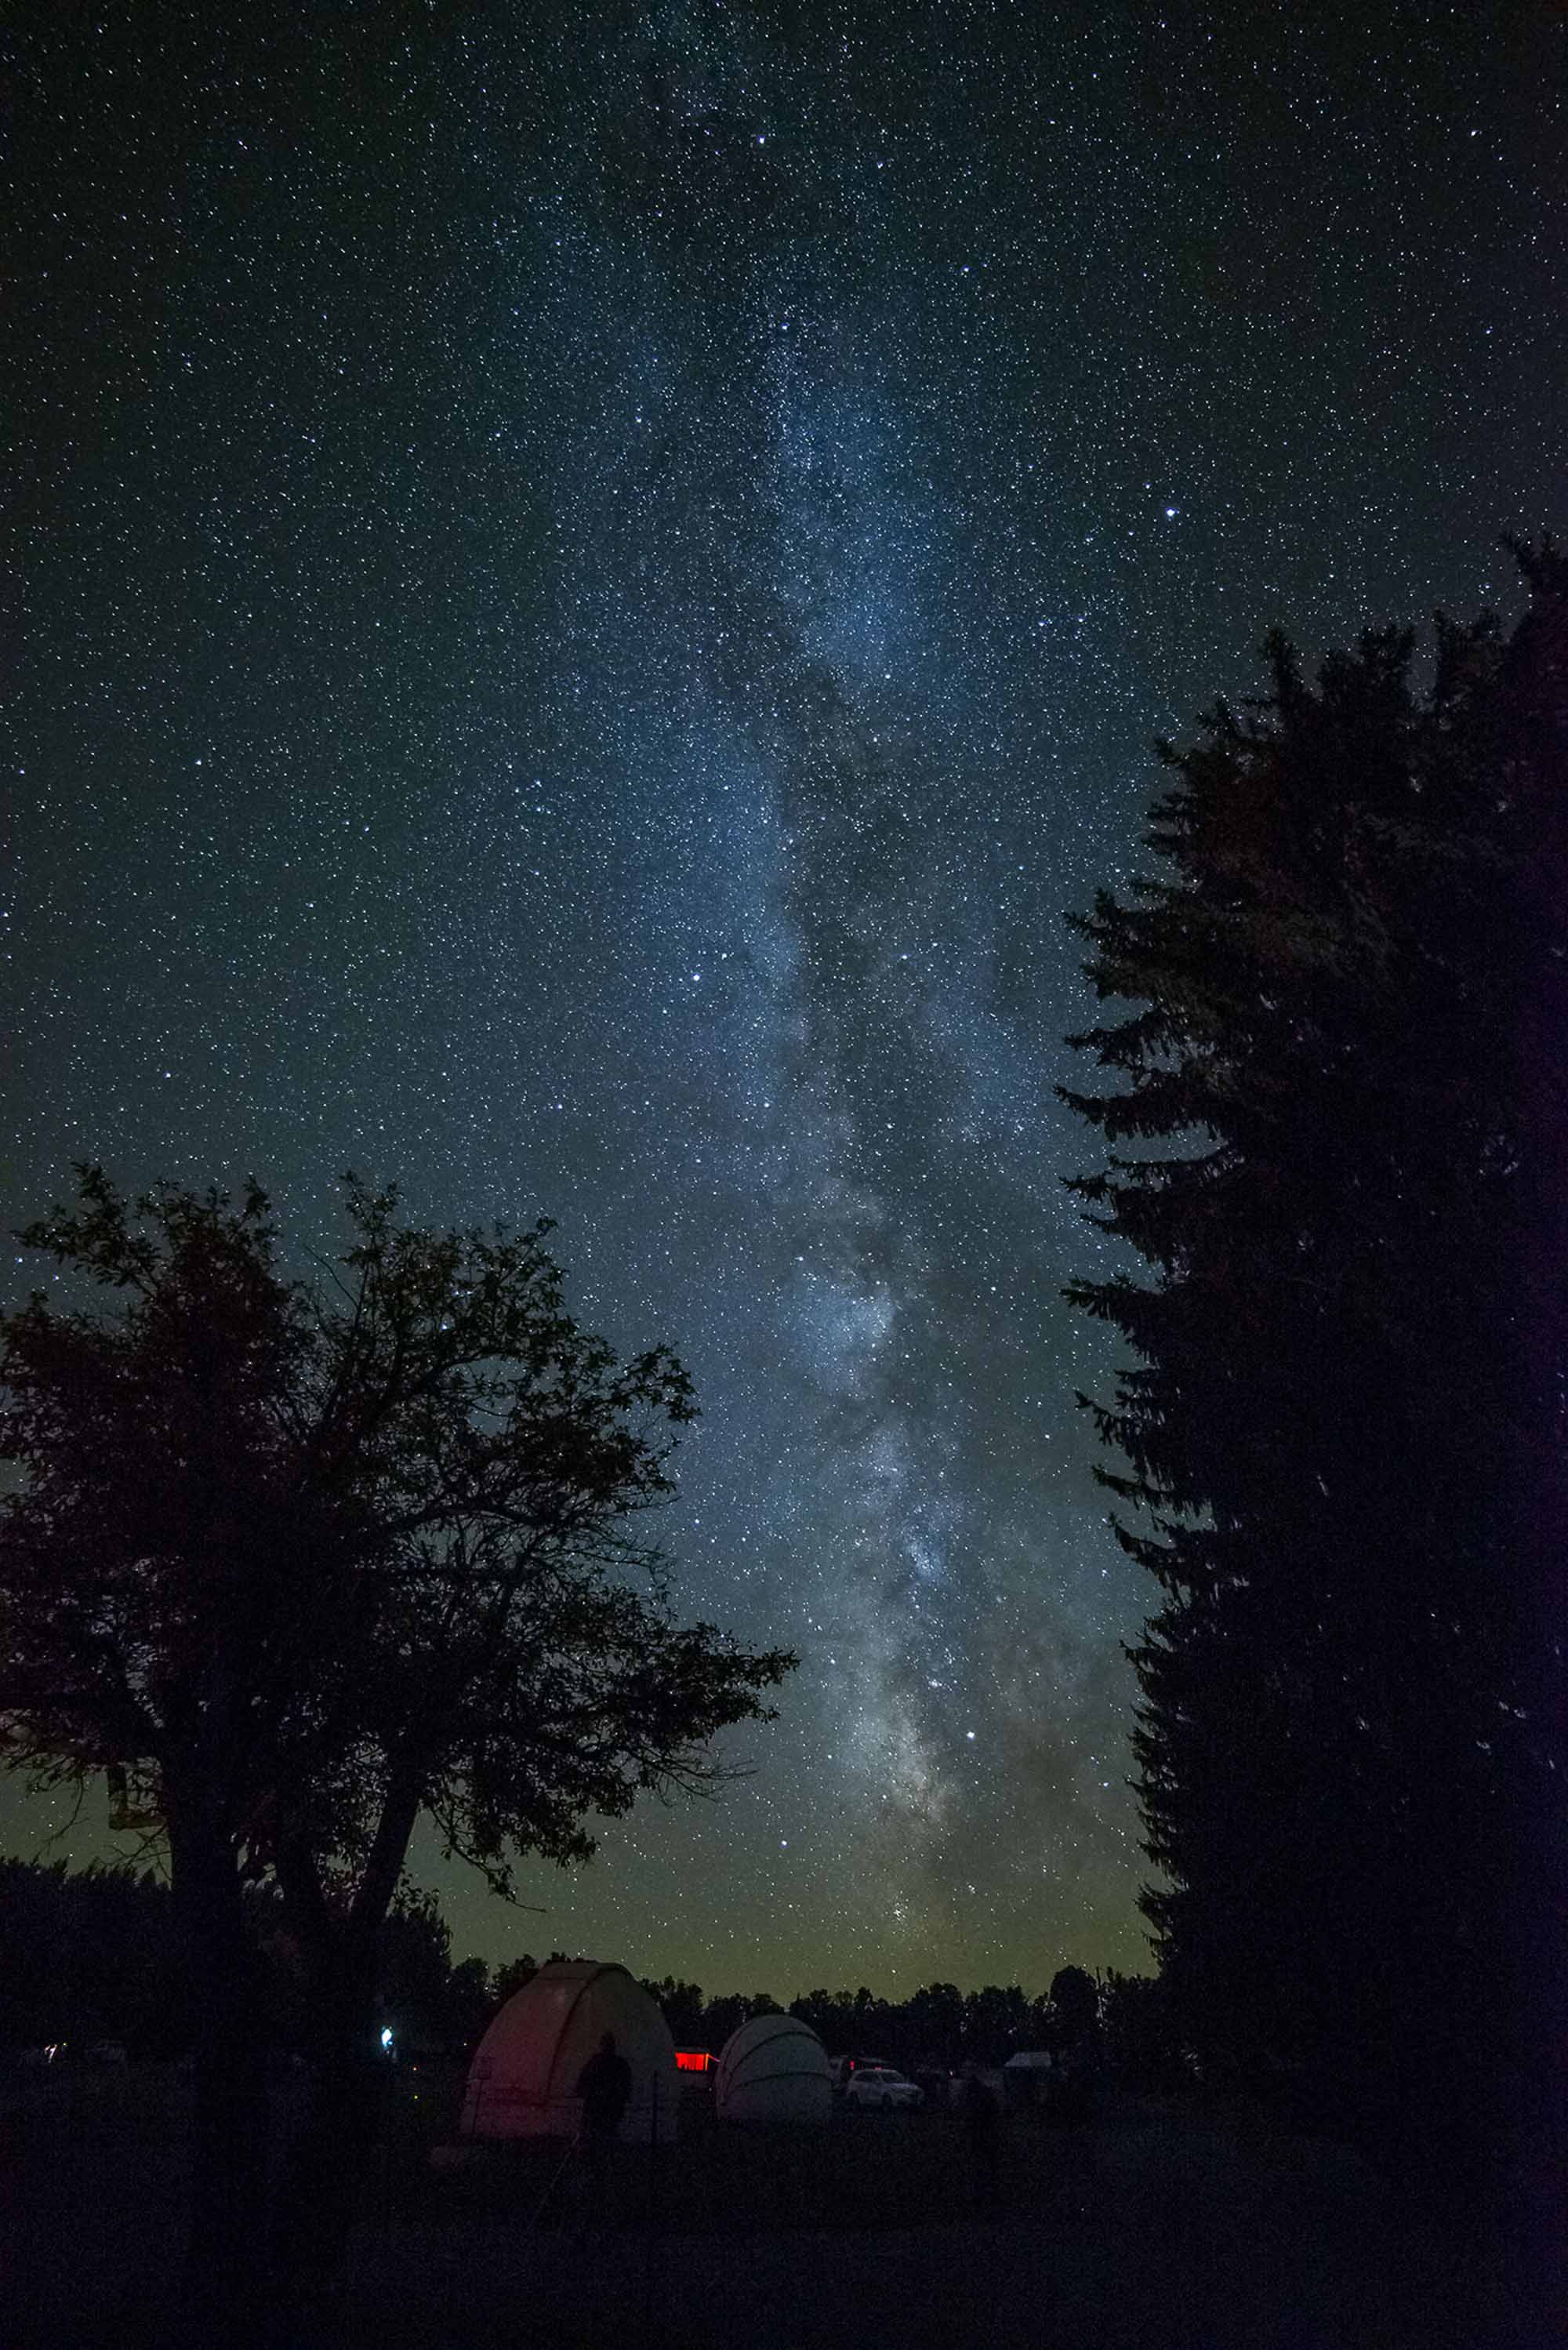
299,1562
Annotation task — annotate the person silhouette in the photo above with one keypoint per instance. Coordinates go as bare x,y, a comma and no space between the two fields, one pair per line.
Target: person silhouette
603,2087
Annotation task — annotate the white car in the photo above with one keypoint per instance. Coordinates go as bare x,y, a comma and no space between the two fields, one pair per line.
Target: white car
880,2086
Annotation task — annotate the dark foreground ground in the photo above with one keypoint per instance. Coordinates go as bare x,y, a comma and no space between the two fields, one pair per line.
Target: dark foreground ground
1159,2227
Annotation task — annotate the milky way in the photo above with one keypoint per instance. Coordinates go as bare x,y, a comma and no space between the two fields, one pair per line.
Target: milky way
596,581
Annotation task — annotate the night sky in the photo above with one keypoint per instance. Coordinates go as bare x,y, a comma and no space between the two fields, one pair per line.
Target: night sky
583,587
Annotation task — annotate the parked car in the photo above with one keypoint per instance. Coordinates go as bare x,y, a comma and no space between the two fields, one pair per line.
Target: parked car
846,2067
880,2086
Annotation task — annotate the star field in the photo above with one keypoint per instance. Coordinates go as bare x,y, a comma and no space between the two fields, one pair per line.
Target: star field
591,583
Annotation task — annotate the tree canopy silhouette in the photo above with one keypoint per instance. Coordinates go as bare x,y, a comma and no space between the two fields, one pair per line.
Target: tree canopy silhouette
1336,1133
293,1563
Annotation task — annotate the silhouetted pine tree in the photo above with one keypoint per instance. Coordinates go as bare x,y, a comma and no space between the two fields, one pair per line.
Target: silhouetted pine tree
1340,1137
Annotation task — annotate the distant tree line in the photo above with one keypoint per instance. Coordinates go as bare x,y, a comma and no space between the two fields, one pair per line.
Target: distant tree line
100,1954
1122,2021
94,1954
97,1954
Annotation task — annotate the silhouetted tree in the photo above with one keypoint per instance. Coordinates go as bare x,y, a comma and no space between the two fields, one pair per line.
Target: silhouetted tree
88,1955
1075,2006
723,2016
681,2005
413,1967
514,1976
467,2005
1338,1138
831,2015
1140,2035
995,2023
867,2018
296,1564
933,2026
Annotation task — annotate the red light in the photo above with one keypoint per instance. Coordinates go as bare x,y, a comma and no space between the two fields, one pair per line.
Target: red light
694,2060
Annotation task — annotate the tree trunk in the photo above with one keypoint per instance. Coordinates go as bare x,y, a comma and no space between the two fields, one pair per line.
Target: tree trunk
225,2249
326,2167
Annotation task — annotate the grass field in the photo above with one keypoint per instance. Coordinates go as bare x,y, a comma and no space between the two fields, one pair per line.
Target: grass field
1158,2227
